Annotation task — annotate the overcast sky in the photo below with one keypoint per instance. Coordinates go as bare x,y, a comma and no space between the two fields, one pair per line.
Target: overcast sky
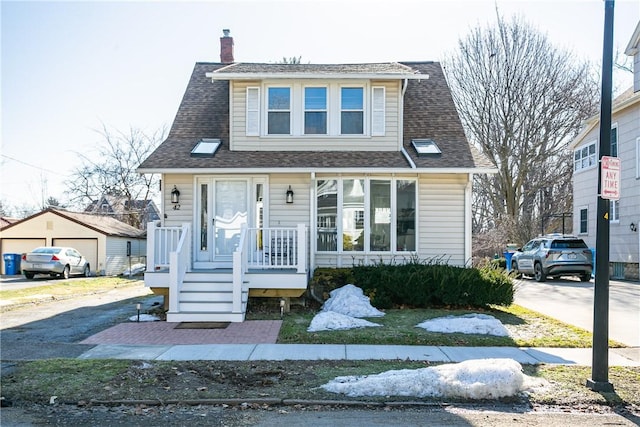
69,67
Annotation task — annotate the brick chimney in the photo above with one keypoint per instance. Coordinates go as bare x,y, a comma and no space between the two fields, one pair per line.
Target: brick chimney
226,47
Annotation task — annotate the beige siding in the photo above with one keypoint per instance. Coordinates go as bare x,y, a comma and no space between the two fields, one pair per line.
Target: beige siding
185,184
239,140
441,229
51,227
282,214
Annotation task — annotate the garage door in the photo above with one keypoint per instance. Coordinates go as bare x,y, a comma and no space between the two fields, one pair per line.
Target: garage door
19,246
87,247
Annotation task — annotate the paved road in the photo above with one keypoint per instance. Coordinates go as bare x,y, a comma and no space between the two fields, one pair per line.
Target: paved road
571,301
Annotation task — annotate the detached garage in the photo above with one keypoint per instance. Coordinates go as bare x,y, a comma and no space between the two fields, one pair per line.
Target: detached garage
109,245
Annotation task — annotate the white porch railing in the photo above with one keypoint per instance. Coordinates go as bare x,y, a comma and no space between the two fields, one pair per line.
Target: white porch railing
169,248
179,262
278,248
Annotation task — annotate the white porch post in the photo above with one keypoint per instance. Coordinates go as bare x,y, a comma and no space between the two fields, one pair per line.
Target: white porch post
151,246
302,249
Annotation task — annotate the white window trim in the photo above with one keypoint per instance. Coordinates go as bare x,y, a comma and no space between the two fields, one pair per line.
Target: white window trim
614,212
365,104
267,110
638,158
296,111
326,110
367,218
580,209
614,126
579,149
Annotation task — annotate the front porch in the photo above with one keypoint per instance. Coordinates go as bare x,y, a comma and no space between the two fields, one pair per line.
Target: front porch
270,262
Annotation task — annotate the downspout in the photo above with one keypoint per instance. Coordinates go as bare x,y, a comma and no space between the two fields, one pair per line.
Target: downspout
402,150
312,231
468,191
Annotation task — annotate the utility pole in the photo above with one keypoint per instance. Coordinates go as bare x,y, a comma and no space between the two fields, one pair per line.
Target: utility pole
599,380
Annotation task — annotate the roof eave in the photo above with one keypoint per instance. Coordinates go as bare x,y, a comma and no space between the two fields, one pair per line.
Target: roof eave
352,170
343,76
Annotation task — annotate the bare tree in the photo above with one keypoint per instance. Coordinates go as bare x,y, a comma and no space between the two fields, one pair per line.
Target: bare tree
114,171
521,102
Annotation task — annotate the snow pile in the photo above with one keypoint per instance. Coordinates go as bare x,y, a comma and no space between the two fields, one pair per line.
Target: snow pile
342,310
472,379
466,324
144,318
329,320
351,301
135,269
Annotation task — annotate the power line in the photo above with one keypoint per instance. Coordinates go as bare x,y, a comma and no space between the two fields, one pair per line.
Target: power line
30,165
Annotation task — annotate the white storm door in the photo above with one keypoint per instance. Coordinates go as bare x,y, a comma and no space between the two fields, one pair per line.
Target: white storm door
222,210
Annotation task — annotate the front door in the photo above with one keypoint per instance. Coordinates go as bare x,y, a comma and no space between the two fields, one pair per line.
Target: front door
222,209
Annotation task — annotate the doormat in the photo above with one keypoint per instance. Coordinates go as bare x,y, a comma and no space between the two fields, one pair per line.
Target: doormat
202,325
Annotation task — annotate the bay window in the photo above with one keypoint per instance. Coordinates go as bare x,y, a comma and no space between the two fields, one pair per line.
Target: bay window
370,215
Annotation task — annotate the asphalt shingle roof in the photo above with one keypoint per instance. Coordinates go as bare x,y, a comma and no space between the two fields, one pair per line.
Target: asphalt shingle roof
204,113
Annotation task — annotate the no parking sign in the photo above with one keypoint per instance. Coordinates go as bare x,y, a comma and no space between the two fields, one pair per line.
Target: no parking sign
610,177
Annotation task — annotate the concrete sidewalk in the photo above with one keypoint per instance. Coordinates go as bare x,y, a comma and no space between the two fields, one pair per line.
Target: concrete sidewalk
248,352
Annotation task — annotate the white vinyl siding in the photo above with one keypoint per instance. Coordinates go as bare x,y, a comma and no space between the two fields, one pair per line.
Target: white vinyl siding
253,111
441,222
377,111
117,259
638,158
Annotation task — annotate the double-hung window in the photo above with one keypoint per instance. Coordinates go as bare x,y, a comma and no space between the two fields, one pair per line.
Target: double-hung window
614,141
279,111
352,110
614,210
584,221
315,110
584,157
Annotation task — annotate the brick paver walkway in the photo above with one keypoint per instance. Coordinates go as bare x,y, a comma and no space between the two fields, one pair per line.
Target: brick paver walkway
165,333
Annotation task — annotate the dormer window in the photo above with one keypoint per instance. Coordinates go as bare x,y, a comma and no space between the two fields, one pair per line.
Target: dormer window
312,109
279,111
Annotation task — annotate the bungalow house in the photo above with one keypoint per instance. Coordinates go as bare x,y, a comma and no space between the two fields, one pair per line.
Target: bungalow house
624,214
272,170
109,245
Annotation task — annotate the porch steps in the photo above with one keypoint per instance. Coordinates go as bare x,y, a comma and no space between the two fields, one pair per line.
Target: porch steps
202,299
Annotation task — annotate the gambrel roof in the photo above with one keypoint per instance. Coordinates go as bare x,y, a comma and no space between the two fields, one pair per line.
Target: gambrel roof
429,113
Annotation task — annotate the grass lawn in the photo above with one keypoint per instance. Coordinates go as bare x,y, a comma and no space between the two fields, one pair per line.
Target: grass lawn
526,328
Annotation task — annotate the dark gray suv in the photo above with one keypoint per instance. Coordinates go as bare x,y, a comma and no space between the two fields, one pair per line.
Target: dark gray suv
554,255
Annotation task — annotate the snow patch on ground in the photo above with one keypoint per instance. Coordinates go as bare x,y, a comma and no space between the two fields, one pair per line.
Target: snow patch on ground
144,318
472,379
467,324
330,320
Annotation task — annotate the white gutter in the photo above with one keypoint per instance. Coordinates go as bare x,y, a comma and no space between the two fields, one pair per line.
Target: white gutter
306,170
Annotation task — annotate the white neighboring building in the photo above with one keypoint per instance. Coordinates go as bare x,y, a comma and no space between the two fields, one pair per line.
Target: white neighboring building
625,144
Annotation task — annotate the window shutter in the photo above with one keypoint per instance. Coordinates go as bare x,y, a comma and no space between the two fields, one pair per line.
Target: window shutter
378,113
253,111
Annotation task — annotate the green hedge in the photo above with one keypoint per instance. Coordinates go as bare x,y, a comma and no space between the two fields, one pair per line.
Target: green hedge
420,285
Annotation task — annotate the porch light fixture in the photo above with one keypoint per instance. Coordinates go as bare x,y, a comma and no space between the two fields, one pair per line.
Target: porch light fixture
175,198
289,195
633,227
